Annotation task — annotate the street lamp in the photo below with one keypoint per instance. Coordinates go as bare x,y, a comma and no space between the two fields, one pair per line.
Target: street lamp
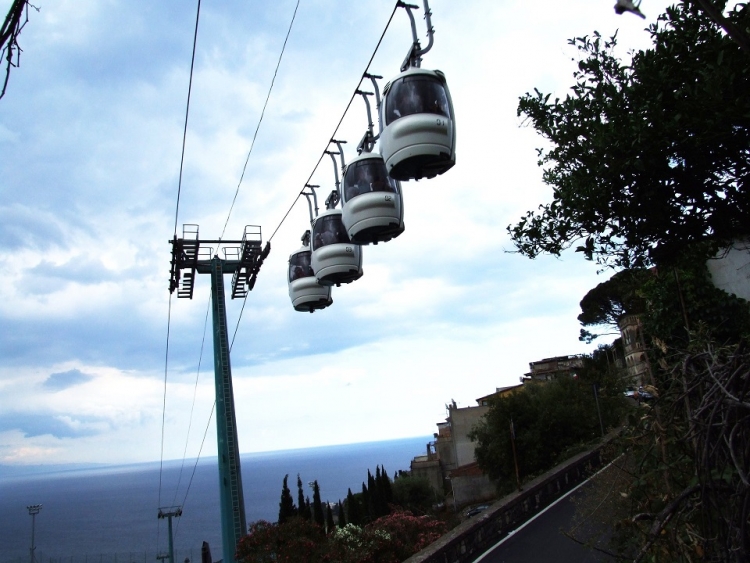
33,511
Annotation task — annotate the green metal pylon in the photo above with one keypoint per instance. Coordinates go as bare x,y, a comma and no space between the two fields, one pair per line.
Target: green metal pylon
243,259
233,523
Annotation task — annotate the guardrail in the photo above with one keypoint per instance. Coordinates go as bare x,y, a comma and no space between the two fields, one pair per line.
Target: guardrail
473,537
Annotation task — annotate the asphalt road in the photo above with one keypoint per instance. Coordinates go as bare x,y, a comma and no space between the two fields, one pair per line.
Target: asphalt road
542,539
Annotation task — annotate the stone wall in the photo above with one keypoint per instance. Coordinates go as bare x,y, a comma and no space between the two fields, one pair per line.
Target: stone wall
473,537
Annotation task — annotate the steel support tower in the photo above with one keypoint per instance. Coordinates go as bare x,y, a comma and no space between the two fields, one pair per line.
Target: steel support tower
169,513
243,259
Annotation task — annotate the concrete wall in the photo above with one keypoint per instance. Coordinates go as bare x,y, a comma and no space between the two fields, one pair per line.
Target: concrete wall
446,453
732,272
473,537
468,489
462,421
430,470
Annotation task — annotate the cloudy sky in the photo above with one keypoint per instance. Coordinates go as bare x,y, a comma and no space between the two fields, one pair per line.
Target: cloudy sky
90,141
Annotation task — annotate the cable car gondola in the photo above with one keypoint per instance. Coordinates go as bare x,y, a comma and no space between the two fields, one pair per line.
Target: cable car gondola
335,259
305,292
372,203
419,127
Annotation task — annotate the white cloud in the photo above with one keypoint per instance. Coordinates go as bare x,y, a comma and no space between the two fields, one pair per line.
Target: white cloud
92,129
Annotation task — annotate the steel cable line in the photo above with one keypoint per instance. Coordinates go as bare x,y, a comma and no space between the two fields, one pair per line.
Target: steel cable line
169,310
268,96
390,19
192,407
333,136
200,450
262,113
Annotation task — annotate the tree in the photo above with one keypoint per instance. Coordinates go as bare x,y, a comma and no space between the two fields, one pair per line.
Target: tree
296,541
317,506
648,157
286,504
353,511
548,418
341,516
388,539
609,301
303,506
15,20
330,525
414,494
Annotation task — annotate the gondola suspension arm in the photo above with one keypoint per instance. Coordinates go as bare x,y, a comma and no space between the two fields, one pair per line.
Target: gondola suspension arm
309,203
414,56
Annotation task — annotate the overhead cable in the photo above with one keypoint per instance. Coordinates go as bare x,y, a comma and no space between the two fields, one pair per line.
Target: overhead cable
333,135
176,215
262,113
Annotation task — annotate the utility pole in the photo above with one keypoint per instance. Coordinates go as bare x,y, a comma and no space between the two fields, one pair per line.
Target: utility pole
169,513
515,457
242,258
33,511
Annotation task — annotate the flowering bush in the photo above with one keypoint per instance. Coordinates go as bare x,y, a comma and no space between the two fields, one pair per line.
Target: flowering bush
295,541
389,539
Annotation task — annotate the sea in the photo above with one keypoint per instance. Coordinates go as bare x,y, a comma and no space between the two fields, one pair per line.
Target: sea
108,513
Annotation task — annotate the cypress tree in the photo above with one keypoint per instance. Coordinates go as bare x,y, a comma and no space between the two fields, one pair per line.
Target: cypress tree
318,516
342,520
329,519
300,497
368,510
353,513
386,488
286,505
308,509
381,506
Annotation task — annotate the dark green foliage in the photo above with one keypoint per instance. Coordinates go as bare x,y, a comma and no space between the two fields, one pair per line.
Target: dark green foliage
340,514
317,506
367,502
689,284
548,418
379,531
329,519
286,505
649,156
385,486
301,499
353,509
414,494
296,541
389,539
609,301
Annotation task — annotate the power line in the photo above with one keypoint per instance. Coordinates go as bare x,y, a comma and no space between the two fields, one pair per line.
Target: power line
333,136
192,407
262,113
338,125
268,96
176,215
322,154
187,112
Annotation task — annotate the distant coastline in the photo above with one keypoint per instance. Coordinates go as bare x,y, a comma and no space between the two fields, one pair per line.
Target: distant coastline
103,510
33,470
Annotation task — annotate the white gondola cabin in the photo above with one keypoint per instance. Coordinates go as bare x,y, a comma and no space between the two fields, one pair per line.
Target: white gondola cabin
373,209
305,292
335,259
419,129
